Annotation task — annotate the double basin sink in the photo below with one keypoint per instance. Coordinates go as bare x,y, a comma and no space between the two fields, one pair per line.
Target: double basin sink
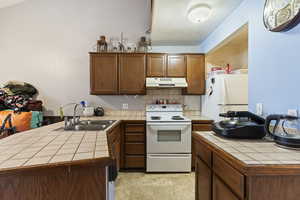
89,125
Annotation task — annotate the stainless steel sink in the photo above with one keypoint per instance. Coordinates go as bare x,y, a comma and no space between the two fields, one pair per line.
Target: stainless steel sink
89,125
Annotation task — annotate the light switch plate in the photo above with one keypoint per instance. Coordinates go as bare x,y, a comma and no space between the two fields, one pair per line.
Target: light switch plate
259,109
293,112
125,106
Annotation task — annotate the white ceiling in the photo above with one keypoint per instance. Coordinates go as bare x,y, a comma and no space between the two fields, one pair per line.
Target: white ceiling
170,25
5,3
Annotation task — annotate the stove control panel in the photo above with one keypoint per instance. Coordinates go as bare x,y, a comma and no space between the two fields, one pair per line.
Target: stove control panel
164,108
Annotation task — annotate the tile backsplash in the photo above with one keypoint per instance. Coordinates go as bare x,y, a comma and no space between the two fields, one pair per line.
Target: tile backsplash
139,102
169,94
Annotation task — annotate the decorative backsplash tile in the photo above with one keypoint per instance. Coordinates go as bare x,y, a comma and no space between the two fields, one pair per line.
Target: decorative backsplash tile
138,103
169,94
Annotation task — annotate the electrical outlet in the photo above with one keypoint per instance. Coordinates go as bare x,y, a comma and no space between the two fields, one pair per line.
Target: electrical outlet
259,109
125,106
293,112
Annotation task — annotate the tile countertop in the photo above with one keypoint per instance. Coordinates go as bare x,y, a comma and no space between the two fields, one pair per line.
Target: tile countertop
141,115
253,152
46,145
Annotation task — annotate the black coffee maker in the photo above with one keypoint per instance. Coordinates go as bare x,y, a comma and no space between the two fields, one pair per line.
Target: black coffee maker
240,125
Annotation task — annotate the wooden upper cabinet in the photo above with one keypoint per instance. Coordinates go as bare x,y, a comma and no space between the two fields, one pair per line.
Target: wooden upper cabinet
195,74
132,74
125,73
156,65
104,74
176,66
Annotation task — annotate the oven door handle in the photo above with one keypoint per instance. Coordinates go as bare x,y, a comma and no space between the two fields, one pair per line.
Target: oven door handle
165,127
169,124
170,156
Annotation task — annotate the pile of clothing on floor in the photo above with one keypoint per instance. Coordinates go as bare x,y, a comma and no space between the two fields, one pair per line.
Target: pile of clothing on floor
17,102
18,96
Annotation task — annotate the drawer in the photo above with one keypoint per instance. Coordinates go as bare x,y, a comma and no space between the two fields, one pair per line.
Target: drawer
134,161
202,127
135,148
203,152
233,178
169,163
135,128
134,137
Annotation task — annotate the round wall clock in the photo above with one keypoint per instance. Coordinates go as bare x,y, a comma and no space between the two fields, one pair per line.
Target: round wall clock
281,15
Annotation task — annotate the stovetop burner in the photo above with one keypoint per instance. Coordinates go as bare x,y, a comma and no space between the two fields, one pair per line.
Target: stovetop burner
177,118
155,117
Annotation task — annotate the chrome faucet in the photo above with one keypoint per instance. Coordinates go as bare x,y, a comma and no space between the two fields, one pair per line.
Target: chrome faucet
75,120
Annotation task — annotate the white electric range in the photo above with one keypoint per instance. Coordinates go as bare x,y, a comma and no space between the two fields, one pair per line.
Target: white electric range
168,139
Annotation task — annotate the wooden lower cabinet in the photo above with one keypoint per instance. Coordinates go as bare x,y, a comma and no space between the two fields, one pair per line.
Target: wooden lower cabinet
219,176
199,126
85,181
114,144
211,183
135,162
134,145
203,180
202,127
221,191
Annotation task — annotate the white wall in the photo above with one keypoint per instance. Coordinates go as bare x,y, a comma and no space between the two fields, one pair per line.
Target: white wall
273,58
177,49
46,43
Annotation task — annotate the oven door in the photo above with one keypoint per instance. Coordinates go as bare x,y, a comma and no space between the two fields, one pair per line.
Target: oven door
169,137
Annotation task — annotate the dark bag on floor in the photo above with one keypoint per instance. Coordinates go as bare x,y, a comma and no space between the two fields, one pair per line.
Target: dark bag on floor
7,131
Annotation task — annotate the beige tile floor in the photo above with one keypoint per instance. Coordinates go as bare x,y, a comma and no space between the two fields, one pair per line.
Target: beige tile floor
141,186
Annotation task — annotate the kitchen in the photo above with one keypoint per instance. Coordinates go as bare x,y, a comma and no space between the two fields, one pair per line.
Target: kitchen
36,48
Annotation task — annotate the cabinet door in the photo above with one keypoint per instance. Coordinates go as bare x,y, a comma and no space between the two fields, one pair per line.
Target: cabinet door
114,145
221,191
117,146
104,74
176,66
202,127
195,75
132,74
203,180
156,65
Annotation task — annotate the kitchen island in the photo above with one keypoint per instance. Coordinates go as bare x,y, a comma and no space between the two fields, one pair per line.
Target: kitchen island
50,163
229,169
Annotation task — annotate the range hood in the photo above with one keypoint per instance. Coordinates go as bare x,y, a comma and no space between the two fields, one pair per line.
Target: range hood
166,83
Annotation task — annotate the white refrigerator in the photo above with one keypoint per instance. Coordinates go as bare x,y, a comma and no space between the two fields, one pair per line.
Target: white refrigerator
225,92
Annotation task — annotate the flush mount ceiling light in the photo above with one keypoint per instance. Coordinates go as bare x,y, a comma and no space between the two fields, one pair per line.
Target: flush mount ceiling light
199,13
